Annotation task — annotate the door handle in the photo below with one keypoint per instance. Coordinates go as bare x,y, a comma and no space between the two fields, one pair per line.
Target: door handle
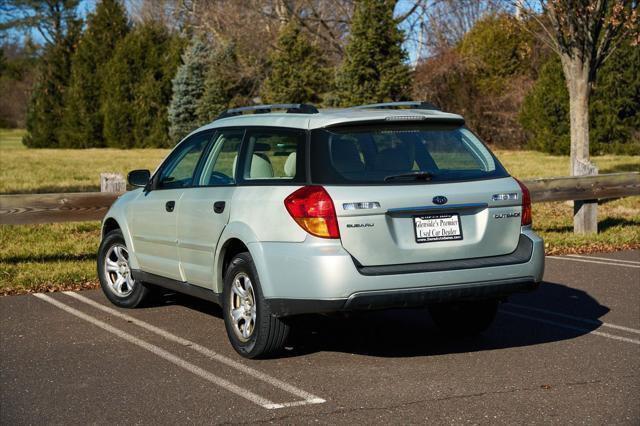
170,206
218,206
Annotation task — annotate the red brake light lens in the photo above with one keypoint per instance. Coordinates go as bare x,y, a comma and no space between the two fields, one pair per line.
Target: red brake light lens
526,218
312,208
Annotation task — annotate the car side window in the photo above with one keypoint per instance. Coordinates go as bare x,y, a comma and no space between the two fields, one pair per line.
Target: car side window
219,169
179,169
274,154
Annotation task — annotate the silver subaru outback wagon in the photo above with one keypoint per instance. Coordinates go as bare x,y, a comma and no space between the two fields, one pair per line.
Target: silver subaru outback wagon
274,211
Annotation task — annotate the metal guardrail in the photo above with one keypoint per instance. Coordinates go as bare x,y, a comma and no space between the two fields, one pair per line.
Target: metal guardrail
70,207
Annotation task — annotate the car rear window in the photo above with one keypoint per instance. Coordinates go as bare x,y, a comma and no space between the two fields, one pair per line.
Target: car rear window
402,154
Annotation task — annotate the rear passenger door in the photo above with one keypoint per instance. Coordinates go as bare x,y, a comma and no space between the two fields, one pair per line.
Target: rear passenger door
272,166
203,211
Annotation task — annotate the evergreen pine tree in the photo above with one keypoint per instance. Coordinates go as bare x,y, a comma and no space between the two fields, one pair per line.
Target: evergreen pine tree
82,121
299,72
224,86
614,107
188,88
3,62
496,49
46,106
137,88
545,111
615,104
374,68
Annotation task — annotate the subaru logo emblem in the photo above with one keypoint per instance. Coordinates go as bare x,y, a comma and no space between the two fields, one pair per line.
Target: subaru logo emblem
440,199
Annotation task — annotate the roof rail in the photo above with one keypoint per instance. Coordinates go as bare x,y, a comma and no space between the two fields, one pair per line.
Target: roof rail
264,109
399,105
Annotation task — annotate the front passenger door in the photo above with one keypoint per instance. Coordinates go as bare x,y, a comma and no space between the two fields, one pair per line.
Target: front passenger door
153,215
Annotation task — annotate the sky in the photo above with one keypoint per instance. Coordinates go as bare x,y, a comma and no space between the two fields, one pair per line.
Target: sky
410,46
85,7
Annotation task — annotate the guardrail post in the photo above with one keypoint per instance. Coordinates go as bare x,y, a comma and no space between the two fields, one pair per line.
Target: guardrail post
112,182
585,213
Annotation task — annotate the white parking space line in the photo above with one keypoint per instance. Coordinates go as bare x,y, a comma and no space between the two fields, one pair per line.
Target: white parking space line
609,259
571,327
204,374
580,319
308,398
624,265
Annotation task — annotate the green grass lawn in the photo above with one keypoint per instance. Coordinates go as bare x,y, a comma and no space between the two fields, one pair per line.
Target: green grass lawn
618,220
532,164
25,170
62,256
59,256
11,139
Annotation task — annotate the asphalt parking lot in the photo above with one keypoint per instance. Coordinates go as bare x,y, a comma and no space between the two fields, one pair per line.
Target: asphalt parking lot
569,352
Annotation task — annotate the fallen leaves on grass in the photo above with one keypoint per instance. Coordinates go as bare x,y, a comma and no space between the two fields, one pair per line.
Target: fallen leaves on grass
589,248
49,288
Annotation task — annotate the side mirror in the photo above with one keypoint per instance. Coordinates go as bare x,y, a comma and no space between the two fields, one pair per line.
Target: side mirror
139,178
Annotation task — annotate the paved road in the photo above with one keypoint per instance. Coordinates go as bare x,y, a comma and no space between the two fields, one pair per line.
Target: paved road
568,353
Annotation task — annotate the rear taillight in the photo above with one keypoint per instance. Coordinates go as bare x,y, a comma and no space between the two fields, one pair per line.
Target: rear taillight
526,205
312,208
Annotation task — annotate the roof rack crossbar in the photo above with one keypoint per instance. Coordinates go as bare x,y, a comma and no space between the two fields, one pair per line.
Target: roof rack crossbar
398,105
264,109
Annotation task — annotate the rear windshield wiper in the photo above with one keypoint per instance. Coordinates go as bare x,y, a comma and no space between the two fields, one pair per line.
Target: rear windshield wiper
425,176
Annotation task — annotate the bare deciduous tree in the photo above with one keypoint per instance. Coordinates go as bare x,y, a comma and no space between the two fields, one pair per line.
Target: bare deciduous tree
583,33
255,23
49,18
326,21
445,22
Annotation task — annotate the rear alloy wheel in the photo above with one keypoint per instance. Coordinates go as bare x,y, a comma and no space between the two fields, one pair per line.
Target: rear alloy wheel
252,329
114,272
464,318
242,307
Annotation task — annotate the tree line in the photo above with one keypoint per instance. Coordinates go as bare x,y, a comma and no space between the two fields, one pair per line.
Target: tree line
123,81
511,88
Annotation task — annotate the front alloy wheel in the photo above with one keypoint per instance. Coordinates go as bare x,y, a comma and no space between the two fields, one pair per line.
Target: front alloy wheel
114,271
116,265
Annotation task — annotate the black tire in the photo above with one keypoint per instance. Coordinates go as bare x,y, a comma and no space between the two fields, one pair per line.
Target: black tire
268,332
464,318
133,296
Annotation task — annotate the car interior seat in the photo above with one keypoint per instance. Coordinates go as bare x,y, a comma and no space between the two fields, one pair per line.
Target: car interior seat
290,165
396,159
261,167
345,155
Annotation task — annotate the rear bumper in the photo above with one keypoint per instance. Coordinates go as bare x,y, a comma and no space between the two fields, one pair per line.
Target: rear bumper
521,254
404,298
320,276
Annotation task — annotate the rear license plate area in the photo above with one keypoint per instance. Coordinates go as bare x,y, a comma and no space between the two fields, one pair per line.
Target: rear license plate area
437,227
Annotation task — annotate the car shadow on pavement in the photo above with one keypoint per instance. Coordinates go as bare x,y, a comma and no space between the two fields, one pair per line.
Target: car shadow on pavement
410,332
167,298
